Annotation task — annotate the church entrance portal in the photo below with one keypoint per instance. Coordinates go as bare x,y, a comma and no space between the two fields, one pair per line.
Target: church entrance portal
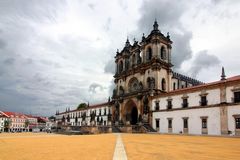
131,113
134,116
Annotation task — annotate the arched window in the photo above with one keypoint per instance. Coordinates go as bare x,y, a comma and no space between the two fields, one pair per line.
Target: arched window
174,86
149,54
163,53
133,84
163,84
121,91
133,60
120,66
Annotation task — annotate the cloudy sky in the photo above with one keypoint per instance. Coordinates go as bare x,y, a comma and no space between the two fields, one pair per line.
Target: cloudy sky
57,54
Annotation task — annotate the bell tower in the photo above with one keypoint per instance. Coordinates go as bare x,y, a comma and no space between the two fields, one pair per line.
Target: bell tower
143,69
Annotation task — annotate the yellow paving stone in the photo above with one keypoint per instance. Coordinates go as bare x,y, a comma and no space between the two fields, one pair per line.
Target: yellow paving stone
179,147
32,146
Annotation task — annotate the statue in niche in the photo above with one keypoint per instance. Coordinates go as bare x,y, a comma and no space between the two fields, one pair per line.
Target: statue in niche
152,83
121,91
140,86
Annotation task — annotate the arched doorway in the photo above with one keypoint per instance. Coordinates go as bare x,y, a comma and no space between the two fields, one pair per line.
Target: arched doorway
134,116
131,113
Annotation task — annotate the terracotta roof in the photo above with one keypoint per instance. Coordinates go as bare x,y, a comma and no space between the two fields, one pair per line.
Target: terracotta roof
30,116
14,114
2,114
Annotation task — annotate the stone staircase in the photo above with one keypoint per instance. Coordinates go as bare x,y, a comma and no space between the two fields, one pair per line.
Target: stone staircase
148,127
115,129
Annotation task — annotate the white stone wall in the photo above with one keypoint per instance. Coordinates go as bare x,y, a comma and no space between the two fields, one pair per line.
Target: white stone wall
73,114
213,97
232,110
194,120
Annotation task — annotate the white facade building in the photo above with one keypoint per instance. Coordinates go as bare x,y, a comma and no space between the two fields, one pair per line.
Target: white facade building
3,118
99,114
212,109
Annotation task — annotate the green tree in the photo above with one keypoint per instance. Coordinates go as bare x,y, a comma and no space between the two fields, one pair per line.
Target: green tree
7,124
26,123
82,105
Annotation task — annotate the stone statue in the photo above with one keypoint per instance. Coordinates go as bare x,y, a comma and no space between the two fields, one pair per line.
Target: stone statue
140,86
152,83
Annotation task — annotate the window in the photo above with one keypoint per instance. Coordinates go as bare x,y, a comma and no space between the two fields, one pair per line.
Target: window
163,53
157,123
149,54
237,120
156,105
174,86
121,66
185,103
204,123
185,122
237,97
105,111
169,123
203,101
151,82
169,104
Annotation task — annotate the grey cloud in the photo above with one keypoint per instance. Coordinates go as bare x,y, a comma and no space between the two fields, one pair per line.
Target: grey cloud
203,60
110,66
169,21
43,11
94,86
2,44
9,61
111,88
181,50
91,6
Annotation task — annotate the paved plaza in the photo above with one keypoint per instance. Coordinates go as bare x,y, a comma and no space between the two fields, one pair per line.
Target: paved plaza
39,146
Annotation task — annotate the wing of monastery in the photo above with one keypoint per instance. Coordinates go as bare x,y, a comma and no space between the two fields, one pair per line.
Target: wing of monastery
149,96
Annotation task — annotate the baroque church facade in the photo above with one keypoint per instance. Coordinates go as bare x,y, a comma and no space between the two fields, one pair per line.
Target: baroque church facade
148,91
